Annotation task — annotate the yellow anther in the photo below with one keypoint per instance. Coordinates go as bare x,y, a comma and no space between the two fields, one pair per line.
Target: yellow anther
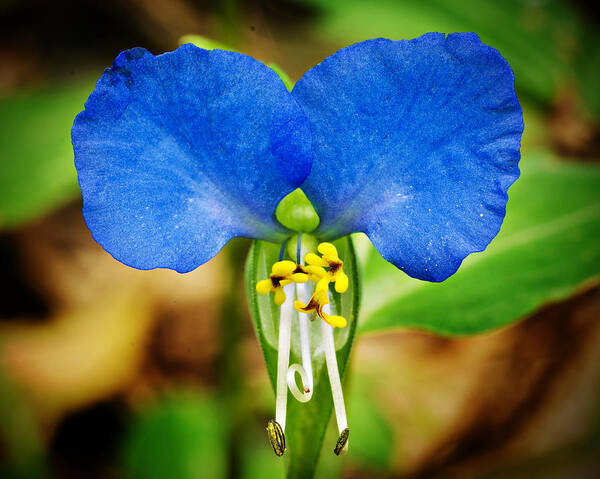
341,281
279,296
315,305
283,268
328,251
329,259
299,277
264,286
282,274
315,260
335,321
315,272
323,284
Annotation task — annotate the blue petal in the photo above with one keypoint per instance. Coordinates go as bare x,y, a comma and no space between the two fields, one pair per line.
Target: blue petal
179,153
415,143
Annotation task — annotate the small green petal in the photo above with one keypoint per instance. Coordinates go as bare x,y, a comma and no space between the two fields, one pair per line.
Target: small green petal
296,212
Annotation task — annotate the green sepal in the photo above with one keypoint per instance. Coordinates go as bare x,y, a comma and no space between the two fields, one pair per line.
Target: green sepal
306,423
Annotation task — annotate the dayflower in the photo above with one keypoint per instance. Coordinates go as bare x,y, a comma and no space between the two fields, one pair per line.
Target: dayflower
414,143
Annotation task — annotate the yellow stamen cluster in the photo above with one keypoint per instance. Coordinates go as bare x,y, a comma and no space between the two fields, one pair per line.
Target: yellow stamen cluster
316,267
324,269
329,259
282,274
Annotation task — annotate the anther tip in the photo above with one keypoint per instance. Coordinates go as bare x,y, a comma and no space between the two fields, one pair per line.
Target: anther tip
340,446
276,437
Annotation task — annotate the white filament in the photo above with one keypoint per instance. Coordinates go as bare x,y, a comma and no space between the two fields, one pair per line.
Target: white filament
283,356
305,371
334,375
306,394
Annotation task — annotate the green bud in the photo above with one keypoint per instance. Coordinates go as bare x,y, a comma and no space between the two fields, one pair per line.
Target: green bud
296,212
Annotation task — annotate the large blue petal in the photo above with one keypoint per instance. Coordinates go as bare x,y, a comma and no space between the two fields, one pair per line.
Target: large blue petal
178,153
415,143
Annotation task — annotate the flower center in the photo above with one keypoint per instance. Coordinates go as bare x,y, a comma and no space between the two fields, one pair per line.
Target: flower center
287,278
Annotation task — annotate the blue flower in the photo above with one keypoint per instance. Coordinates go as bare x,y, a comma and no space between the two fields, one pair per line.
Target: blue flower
414,143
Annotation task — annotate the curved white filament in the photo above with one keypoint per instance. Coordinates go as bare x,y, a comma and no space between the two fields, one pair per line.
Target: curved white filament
303,321
305,371
334,375
302,396
283,356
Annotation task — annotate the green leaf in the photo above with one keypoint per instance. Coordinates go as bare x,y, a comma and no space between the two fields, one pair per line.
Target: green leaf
258,460
182,436
373,441
547,247
306,423
586,69
36,157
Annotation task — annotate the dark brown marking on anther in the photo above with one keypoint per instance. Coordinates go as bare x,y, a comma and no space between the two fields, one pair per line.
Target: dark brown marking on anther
276,280
341,442
312,305
335,266
300,269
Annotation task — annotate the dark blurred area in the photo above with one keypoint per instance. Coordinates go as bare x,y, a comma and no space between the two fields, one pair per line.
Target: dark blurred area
107,372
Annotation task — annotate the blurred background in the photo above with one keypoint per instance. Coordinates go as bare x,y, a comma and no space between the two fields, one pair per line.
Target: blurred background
110,372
